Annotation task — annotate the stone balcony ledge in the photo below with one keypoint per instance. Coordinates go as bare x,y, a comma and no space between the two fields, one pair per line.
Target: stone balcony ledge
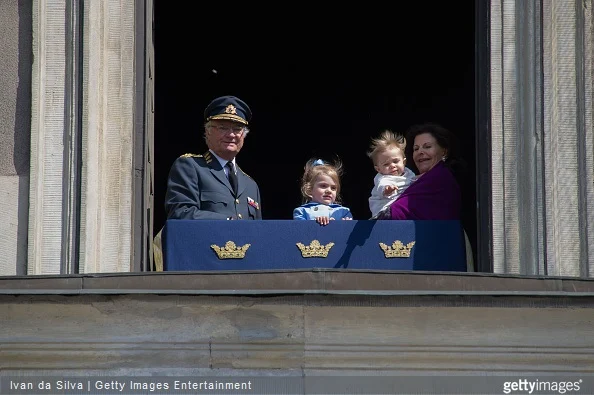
311,322
311,281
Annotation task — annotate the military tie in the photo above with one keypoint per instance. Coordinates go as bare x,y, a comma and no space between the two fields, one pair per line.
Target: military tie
232,177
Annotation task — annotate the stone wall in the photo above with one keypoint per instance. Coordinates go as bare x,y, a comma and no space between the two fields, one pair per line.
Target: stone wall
303,323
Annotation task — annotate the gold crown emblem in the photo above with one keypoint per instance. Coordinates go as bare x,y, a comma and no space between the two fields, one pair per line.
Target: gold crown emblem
314,249
230,251
397,250
230,109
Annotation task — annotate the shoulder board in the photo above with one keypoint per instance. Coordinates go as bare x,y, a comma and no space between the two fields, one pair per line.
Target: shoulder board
191,156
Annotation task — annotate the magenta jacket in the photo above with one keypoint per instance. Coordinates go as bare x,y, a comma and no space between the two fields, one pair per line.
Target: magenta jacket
434,196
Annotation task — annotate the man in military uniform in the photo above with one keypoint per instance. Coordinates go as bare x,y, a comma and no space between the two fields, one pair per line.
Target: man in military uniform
212,186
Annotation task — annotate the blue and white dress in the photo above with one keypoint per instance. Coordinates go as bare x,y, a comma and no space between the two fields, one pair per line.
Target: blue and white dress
313,210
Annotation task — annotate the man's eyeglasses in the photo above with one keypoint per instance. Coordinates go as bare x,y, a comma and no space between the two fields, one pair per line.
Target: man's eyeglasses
237,130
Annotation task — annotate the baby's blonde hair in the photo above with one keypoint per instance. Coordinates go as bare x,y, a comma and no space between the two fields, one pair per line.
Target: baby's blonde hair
386,140
313,168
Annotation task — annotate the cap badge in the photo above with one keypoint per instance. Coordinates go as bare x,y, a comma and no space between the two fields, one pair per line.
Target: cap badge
230,109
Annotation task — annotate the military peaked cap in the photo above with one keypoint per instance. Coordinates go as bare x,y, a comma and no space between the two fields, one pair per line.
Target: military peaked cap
230,108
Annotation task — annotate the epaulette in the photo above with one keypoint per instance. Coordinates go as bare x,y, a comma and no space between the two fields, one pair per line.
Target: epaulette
191,156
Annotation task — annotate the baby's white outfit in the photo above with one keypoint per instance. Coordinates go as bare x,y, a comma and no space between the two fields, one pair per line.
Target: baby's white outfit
377,200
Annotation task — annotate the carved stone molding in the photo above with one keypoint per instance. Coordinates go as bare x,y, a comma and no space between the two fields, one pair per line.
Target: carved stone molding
165,333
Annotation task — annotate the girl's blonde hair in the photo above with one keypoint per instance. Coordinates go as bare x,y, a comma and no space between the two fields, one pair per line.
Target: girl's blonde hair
387,139
313,168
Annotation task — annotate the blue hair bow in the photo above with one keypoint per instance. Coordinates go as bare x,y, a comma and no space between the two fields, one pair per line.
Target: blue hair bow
318,162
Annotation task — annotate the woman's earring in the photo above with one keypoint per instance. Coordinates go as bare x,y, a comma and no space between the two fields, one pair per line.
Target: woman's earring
444,158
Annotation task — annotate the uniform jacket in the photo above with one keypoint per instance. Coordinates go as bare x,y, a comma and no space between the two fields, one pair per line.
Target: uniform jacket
313,210
198,188
377,200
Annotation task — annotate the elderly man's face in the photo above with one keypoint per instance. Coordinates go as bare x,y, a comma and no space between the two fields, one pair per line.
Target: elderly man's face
225,138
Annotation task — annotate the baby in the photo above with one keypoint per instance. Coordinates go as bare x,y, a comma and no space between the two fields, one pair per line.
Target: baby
393,177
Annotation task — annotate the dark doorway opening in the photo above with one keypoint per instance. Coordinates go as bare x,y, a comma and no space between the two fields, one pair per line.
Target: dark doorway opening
320,83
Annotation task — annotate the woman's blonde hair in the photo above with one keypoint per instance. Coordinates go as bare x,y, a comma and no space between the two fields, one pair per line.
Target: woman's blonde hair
313,168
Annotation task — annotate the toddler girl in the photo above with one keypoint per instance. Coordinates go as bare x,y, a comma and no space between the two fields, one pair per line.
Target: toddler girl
320,188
